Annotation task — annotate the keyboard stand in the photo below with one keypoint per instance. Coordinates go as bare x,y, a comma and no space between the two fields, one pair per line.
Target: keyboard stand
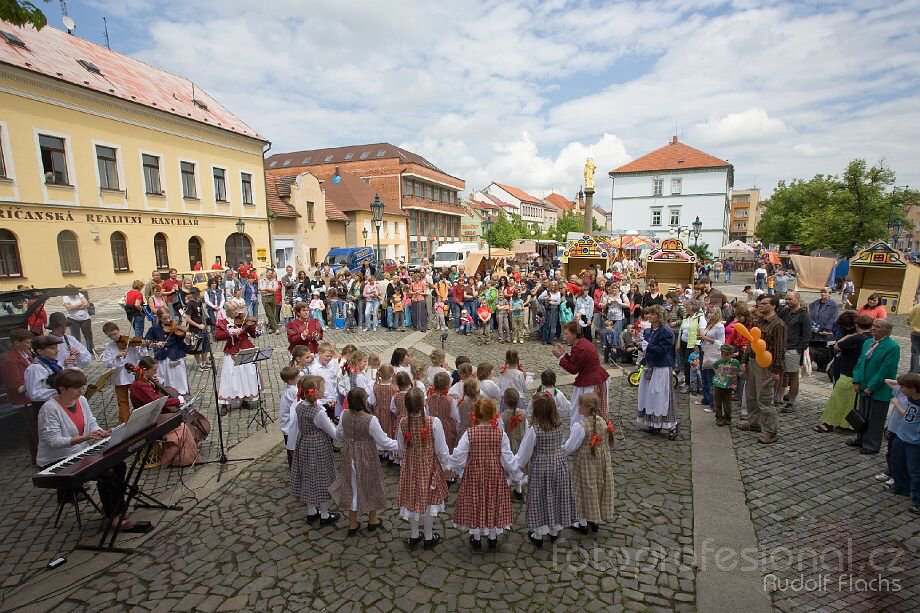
133,493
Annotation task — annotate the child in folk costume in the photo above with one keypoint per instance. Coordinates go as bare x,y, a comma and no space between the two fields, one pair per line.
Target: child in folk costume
484,457
511,376
468,405
419,370
301,359
313,469
401,360
464,372
455,374
422,489
442,406
548,384
384,390
359,485
326,367
357,378
167,338
437,365
592,472
373,365
514,422
120,352
488,387
286,418
550,499
237,382
398,404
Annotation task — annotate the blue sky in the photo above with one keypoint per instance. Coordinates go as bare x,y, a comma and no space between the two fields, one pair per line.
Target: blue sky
522,91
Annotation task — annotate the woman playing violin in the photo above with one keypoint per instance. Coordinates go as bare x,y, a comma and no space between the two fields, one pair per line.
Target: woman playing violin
167,342
179,446
236,382
120,351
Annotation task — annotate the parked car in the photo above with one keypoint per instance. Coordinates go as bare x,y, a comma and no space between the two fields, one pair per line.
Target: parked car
390,265
351,258
415,264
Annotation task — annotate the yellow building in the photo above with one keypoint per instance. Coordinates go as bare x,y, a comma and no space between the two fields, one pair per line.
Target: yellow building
745,213
111,168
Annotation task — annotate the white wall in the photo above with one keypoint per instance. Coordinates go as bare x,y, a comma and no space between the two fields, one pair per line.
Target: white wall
704,194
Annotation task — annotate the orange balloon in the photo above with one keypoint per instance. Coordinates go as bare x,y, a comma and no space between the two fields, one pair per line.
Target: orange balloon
743,331
764,359
760,345
755,334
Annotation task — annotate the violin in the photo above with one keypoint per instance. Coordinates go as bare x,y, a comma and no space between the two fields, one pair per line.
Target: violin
241,320
138,373
174,328
124,342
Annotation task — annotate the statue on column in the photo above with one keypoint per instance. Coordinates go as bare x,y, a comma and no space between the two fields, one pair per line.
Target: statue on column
589,174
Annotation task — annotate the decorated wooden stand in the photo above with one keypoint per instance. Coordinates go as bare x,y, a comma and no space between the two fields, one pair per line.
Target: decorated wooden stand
583,253
670,264
882,269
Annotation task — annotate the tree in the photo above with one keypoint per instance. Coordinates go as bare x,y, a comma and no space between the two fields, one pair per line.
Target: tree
842,214
503,232
701,250
22,12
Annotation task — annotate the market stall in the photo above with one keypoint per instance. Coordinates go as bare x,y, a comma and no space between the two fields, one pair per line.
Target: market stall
478,261
885,270
583,253
670,264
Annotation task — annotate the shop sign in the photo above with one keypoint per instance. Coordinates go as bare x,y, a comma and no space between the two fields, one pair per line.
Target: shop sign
30,214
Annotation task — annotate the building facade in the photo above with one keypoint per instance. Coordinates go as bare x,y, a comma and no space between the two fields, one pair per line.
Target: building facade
112,168
429,196
531,209
745,213
669,188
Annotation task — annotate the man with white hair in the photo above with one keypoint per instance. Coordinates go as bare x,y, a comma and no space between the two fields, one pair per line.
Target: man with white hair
877,361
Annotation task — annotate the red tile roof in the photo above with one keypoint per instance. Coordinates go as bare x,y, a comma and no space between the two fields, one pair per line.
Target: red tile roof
333,213
278,188
340,155
673,156
353,194
560,202
56,54
519,194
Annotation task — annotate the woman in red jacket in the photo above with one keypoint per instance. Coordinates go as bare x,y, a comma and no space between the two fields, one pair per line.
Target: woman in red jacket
237,382
302,330
583,361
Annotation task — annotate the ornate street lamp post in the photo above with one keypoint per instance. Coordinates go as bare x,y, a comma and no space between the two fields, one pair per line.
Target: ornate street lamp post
240,230
377,213
697,229
487,231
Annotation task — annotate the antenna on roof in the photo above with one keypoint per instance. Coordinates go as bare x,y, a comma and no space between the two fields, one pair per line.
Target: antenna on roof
105,28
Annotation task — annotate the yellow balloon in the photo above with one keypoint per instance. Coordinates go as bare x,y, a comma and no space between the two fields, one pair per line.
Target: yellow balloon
755,334
760,345
764,359
743,331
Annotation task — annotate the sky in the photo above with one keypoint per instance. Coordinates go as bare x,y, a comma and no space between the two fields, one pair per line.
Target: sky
521,92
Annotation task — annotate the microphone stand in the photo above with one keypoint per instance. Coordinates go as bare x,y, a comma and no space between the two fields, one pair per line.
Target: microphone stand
222,459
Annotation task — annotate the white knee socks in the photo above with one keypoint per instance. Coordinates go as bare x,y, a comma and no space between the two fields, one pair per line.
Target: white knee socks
428,522
413,528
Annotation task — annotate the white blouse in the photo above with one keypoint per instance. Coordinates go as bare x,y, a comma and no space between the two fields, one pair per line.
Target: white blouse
576,438
437,436
56,429
509,463
320,420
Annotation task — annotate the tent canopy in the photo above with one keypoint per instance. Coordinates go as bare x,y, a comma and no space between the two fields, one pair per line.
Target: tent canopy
737,247
476,258
811,272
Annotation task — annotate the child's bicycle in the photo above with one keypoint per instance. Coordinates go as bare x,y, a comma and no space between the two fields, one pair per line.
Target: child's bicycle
635,376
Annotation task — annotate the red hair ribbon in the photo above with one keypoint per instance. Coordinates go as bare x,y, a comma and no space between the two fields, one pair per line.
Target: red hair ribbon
548,394
473,417
515,420
407,437
610,427
595,440
431,391
495,421
426,433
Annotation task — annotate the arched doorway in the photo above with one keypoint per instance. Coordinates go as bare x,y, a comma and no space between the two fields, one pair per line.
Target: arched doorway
194,253
239,250
161,251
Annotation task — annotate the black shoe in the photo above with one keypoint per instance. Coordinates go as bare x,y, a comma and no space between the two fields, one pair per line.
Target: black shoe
374,527
413,542
553,537
476,545
538,543
312,518
518,495
915,509
867,452
579,528
854,444
333,517
353,531
672,434
493,544
435,539
594,527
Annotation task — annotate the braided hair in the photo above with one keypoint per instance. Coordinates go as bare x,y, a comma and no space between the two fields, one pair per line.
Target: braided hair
415,410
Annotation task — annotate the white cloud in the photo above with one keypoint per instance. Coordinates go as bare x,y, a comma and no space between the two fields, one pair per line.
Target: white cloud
523,91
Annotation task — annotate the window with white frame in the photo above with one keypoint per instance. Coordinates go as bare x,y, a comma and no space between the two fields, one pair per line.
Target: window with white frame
151,165
220,184
247,187
657,186
54,159
656,217
189,190
676,186
675,217
2,159
107,162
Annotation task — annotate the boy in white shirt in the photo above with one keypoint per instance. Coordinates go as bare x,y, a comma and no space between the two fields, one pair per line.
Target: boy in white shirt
115,357
328,368
287,416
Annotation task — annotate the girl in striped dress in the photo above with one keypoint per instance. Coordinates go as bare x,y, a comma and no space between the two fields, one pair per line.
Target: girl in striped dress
422,489
313,467
398,404
384,390
592,472
442,406
484,456
550,499
359,485
514,421
467,405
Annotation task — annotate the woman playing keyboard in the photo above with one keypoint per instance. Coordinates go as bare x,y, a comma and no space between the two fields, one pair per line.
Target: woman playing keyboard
66,426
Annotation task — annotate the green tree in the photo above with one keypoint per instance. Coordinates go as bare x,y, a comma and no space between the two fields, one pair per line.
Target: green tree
701,250
22,12
842,214
502,232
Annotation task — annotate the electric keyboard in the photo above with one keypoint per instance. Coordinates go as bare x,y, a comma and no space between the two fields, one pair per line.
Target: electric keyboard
87,464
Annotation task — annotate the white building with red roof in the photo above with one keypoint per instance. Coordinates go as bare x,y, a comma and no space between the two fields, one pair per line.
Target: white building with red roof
531,209
669,188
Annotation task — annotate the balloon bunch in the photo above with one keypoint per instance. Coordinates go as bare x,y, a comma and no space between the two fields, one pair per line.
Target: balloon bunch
764,358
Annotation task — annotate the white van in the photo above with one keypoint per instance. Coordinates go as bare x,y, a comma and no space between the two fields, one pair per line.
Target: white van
453,254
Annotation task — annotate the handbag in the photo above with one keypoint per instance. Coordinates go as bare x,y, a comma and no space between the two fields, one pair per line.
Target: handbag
856,419
194,343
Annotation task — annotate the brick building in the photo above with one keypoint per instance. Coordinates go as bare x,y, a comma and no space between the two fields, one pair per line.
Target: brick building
428,195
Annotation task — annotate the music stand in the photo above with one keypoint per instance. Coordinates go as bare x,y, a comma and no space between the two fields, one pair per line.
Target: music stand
256,356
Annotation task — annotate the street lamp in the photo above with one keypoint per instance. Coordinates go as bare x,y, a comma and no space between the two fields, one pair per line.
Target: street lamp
377,214
697,229
895,225
487,230
240,230
364,234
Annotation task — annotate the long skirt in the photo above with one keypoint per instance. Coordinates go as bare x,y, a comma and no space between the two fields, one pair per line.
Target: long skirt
419,315
172,373
237,381
656,403
603,392
839,403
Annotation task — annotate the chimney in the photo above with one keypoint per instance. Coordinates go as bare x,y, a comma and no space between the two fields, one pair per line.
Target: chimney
674,140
